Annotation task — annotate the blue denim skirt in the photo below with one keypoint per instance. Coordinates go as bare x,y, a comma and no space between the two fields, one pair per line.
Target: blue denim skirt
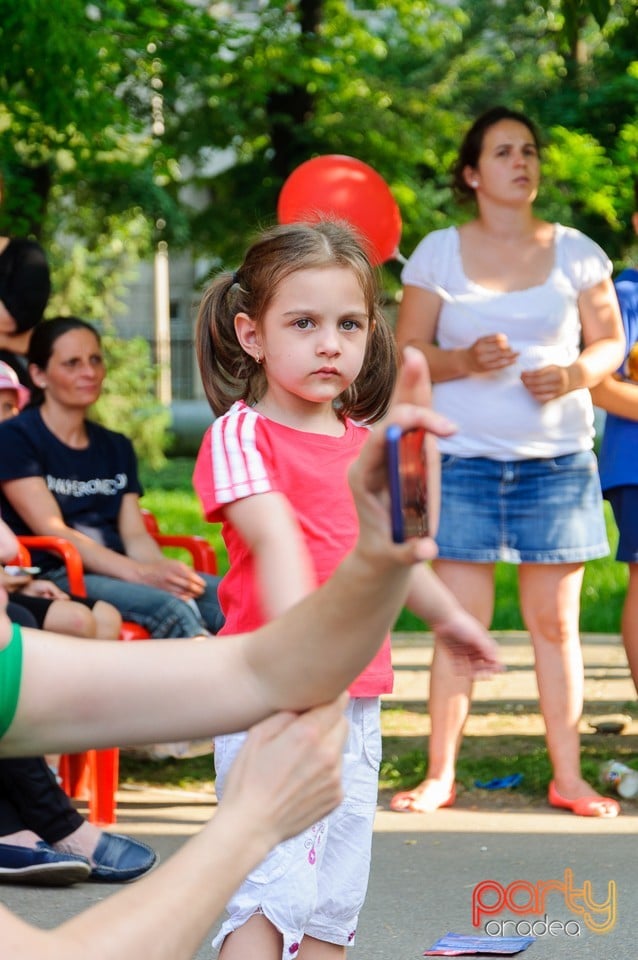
521,511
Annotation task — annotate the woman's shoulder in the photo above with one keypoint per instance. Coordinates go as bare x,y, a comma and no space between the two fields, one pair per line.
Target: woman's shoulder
580,257
431,256
437,239
575,241
241,424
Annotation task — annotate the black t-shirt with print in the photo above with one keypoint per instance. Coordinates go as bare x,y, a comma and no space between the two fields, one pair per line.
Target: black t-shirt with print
88,484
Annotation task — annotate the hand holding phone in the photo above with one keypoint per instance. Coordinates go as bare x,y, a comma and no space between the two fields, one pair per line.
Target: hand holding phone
407,480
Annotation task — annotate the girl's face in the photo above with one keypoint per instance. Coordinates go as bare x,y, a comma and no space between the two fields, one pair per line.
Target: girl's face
508,167
313,337
74,374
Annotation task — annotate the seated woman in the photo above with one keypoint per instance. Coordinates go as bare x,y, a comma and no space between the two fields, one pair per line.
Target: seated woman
63,475
51,608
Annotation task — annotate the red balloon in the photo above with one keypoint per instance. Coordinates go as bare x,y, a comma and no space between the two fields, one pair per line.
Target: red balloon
344,187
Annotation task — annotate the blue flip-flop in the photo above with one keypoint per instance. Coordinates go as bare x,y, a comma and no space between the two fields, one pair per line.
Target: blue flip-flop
500,783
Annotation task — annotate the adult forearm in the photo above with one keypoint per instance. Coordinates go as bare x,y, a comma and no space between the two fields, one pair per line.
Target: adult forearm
619,397
95,557
337,631
595,362
443,364
166,915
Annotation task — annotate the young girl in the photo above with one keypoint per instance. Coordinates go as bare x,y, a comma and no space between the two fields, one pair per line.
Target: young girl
295,355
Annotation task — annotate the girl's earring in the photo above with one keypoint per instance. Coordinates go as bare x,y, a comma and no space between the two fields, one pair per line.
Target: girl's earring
474,183
258,358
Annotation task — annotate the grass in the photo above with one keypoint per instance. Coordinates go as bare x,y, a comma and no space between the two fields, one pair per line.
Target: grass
482,758
169,494
495,755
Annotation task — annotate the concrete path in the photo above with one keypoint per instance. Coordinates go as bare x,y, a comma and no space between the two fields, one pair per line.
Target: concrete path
429,872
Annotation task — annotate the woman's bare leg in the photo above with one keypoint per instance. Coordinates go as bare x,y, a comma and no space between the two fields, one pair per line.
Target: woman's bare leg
629,623
450,692
550,603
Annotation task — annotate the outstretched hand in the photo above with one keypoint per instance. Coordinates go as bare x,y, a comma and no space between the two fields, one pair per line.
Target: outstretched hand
473,648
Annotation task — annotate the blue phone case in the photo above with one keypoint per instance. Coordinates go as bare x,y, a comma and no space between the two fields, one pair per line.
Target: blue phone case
407,472
393,439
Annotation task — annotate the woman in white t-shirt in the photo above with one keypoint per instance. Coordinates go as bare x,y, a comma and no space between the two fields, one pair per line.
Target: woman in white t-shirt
517,318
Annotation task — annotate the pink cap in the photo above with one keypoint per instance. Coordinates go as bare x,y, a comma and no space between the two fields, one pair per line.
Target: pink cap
9,381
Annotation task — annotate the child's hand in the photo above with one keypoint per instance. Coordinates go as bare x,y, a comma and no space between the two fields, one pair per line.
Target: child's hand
13,583
46,589
471,645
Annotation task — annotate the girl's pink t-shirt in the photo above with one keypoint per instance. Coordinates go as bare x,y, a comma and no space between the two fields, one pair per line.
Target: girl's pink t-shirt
244,454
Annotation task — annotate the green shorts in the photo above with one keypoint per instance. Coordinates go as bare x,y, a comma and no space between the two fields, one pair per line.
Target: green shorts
10,679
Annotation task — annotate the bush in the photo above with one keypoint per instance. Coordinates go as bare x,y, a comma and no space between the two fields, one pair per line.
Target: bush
128,402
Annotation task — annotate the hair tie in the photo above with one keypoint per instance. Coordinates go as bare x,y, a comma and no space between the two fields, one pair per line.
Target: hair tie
234,278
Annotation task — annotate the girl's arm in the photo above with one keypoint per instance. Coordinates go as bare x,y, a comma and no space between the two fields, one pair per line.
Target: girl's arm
286,777
269,527
433,603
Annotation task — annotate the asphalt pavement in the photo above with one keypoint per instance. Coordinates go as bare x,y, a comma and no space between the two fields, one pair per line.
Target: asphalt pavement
498,870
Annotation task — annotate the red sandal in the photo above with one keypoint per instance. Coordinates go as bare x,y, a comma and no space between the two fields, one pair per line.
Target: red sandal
584,806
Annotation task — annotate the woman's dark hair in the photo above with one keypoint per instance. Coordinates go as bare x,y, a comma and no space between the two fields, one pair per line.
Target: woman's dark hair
472,145
229,373
43,340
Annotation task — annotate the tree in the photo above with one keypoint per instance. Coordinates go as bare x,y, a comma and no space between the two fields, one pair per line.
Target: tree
123,122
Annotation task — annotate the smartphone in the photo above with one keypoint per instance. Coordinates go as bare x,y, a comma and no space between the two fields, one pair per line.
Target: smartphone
407,480
15,571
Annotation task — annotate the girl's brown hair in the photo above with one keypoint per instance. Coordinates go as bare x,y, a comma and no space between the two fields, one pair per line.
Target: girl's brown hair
229,374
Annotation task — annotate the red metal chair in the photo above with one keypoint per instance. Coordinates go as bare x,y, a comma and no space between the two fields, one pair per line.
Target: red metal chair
203,556
93,775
